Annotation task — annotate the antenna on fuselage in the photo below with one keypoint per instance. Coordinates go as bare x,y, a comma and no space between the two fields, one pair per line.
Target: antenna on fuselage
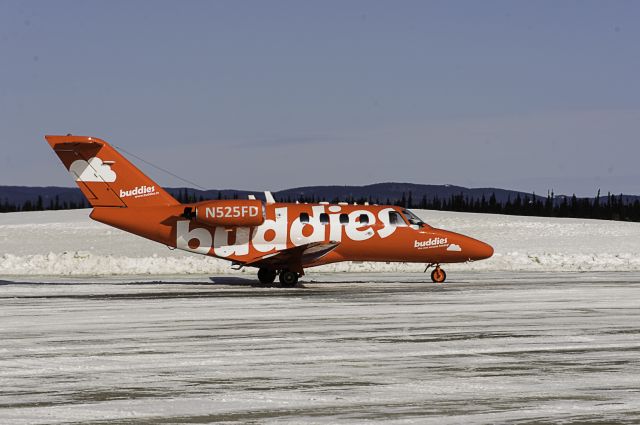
269,197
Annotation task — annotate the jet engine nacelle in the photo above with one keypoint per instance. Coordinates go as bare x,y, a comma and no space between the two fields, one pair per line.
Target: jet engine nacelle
231,213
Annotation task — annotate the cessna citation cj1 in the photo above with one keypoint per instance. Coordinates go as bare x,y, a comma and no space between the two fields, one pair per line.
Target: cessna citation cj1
279,239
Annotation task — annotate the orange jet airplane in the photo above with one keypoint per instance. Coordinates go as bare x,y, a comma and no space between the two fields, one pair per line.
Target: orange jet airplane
280,239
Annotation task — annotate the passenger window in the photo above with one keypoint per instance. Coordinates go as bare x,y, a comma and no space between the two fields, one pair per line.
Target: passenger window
304,217
344,218
324,218
364,219
396,219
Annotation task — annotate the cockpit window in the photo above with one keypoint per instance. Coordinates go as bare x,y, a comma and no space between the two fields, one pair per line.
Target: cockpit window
413,219
396,219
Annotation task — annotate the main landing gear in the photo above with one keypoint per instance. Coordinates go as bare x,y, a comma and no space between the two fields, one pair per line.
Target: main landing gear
288,278
266,276
437,275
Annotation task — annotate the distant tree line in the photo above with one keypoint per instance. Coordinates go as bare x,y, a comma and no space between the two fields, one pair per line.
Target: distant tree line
40,205
610,207
186,196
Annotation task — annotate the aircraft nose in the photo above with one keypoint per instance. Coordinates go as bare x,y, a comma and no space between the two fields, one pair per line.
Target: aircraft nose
478,250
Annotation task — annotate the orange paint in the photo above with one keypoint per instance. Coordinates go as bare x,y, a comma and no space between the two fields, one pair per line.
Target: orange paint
275,237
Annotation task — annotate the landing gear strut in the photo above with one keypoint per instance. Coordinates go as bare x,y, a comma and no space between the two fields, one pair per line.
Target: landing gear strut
266,276
288,279
438,275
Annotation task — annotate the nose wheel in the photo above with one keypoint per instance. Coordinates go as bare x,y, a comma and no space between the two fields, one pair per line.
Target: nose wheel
438,275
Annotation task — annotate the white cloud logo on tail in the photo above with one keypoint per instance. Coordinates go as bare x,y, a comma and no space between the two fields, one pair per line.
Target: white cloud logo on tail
454,247
93,170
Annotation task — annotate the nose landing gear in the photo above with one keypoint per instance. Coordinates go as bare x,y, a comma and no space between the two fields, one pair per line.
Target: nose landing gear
437,275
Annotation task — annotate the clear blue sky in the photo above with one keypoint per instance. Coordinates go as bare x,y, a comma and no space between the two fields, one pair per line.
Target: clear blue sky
531,95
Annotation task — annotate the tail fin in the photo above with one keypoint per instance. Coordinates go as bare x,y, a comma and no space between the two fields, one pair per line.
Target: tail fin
105,177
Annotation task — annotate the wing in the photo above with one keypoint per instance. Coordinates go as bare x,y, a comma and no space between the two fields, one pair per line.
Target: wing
294,258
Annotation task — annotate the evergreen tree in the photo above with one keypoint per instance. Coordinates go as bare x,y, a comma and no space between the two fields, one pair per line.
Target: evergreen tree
493,203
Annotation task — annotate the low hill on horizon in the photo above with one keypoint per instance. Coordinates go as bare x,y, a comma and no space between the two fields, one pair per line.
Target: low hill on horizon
434,197
381,193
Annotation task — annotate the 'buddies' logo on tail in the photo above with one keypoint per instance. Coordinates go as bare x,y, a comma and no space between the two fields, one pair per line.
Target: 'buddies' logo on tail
139,192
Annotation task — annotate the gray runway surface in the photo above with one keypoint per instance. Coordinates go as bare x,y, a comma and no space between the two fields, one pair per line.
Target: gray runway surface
503,347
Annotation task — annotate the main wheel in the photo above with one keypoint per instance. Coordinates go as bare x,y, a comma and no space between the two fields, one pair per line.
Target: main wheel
438,275
288,279
266,276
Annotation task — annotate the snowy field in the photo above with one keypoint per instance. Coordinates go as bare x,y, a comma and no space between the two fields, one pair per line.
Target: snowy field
68,243
98,326
345,348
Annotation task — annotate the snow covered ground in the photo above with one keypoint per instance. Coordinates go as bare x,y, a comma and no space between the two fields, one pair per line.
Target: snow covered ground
68,243
184,341
347,348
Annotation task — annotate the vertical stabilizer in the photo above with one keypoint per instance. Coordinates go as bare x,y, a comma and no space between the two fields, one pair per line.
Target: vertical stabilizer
106,178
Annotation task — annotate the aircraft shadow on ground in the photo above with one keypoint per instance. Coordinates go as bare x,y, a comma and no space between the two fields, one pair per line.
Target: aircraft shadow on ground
213,280
235,281
242,281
